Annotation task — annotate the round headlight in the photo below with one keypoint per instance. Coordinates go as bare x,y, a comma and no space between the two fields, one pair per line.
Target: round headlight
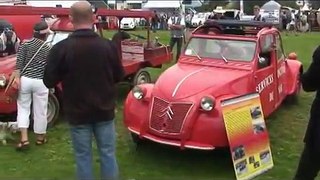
207,103
138,92
3,80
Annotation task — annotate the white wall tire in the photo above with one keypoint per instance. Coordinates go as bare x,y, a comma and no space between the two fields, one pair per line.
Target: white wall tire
53,110
141,77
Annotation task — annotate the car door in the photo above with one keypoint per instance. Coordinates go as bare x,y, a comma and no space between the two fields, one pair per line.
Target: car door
281,68
264,75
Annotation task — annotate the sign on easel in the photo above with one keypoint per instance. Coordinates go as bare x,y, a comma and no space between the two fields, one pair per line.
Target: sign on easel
247,135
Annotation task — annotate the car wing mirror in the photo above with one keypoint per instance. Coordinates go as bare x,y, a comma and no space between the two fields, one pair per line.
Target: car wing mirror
262,60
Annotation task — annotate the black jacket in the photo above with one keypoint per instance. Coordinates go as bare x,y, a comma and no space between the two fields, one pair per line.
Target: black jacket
88,68
310,82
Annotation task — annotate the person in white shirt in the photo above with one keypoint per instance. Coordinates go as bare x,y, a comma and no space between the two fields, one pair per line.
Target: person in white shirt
176,25
291,26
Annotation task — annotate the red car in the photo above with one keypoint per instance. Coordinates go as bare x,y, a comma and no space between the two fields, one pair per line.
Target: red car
222,59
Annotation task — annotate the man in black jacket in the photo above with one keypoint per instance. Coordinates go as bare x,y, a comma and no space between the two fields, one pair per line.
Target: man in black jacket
309,165
88,69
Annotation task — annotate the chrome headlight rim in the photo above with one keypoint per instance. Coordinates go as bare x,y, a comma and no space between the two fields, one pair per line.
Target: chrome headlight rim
138,93
207,103
3,80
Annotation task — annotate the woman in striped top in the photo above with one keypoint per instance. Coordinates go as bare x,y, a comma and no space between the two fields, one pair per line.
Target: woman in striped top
32,88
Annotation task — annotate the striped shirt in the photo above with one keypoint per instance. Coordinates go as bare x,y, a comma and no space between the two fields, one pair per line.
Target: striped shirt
26,51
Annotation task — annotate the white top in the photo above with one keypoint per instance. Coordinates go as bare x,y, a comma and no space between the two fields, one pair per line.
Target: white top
293,19
182,22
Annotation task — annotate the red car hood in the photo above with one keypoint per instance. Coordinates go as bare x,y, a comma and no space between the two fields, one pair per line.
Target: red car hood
7,64
183,80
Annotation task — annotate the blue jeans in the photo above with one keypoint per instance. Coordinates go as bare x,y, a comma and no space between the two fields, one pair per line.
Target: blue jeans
104,133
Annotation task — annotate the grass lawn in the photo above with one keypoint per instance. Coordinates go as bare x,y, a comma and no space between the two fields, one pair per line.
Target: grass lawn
154,161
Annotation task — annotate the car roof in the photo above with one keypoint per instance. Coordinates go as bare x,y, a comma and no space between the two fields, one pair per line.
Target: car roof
234,28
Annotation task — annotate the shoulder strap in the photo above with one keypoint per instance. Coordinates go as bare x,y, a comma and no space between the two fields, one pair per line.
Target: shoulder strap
35,54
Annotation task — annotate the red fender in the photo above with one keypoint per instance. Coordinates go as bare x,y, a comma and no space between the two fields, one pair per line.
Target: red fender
295,69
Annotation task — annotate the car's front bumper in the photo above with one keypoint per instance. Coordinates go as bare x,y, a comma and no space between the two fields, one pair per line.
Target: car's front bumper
188,144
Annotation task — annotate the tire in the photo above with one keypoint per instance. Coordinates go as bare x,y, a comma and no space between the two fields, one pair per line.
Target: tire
52,113
293,98
136,139
53,110
141,77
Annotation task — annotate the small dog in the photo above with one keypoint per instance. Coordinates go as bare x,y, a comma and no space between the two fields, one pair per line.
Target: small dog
6,132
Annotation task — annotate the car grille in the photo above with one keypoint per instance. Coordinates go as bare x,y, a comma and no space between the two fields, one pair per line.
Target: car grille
168,118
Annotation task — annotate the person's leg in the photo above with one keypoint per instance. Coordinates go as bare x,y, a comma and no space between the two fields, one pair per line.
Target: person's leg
23,110
40,106
105,135
308,167
81,136
172,43
179,46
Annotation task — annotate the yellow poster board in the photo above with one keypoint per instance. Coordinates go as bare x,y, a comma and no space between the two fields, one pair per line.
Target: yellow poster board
247,135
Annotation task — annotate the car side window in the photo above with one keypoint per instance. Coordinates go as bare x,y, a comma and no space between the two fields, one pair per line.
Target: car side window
265,55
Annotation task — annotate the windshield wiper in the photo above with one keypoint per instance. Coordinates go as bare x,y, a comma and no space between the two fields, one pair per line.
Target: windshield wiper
195,53
223,57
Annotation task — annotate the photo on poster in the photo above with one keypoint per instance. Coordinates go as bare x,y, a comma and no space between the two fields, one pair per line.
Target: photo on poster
251,160
259,128
256,113
238,152
256,164
241,167
265,157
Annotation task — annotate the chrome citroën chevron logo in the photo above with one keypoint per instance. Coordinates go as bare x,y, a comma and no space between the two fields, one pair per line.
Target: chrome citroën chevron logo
168,112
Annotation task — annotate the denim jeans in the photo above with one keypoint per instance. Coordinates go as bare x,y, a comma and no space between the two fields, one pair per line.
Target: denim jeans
104,133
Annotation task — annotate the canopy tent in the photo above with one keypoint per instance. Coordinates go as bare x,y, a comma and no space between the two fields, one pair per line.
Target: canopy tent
271,5
169,4
64,4
305,8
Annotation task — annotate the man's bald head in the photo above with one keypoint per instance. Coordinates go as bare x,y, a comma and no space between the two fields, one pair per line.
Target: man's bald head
81,13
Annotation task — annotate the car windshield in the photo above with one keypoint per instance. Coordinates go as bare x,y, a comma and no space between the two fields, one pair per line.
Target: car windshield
57,37
221,49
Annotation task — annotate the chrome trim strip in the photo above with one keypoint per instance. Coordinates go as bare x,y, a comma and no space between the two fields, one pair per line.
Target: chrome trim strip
185,78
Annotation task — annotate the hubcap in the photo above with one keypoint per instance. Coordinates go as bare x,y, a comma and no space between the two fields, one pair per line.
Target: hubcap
143,78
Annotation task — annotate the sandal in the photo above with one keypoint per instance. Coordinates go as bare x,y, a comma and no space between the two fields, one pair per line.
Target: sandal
23,145
41,141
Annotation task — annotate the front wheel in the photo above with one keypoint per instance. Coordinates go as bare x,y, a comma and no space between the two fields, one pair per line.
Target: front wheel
141,77
293,98
53,110
136,139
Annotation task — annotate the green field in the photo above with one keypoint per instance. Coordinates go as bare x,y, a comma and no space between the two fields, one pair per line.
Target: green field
154,161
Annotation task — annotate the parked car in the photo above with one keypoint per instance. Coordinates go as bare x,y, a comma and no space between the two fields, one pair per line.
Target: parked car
128,24
223,59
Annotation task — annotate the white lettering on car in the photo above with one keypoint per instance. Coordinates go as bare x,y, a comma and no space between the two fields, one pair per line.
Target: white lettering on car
264,83
280,89
271,97
281,71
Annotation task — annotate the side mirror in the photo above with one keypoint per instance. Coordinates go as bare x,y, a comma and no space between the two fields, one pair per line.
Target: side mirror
292,56
262,60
